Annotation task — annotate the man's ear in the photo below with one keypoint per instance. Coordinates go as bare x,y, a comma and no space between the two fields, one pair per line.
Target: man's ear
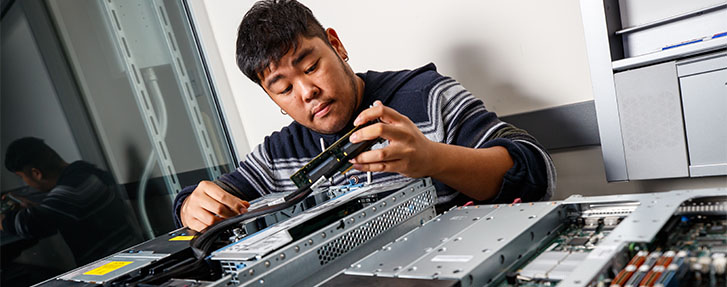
336,43
36,174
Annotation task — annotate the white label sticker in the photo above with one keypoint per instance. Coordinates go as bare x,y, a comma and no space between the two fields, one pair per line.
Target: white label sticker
452,258
270,243
261,246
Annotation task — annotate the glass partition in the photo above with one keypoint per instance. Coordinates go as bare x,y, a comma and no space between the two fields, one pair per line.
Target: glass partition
144,83
135,102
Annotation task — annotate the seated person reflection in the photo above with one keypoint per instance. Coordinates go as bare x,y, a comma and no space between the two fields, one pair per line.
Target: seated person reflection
82,203
433,127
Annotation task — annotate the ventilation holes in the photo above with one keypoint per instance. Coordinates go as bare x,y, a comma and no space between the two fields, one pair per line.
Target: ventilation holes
363,233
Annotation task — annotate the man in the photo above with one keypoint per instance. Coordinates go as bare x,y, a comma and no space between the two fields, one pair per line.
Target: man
432,125
82,203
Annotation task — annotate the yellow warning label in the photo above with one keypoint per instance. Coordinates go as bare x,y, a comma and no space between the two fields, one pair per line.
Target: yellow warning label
182,238
108,267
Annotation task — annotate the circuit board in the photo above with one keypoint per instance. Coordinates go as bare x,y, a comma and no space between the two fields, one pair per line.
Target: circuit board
334,159
689,251
698,233
568,248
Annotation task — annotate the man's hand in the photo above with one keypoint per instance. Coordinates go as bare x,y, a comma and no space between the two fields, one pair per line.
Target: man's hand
478,173
209,204
408,152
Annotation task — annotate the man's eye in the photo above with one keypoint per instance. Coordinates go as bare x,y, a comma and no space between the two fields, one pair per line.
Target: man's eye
290,87
312,68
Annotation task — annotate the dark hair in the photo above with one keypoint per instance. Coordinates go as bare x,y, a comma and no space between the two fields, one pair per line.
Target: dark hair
29,152
269,30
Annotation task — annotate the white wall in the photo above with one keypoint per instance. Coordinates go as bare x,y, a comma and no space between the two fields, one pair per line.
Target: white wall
517,56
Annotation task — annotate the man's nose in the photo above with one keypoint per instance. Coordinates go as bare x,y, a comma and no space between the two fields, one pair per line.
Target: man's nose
309,90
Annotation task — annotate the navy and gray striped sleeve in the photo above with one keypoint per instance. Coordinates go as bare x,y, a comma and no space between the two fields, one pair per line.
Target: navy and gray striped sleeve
466,122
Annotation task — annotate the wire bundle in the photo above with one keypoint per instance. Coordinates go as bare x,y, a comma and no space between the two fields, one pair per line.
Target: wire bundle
203,242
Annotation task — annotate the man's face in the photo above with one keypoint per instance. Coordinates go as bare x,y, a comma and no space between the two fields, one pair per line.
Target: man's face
313,85
30,180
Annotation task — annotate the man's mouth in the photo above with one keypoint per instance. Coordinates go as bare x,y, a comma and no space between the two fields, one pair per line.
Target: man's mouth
321,110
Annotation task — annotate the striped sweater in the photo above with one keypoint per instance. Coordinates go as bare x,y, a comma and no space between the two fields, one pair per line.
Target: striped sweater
441,108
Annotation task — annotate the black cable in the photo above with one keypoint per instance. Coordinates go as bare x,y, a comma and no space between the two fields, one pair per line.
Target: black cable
205,239
201,243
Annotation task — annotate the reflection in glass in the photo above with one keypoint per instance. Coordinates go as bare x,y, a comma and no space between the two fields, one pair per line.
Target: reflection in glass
77,198
142,90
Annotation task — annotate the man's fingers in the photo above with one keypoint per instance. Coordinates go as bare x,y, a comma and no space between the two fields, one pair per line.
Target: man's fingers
215,207
218,194
386,166
230,201
194,208
380,112
368,115
368,133
385,159
378,155
195,224
209,204
194,215
207,218
373,167
379,130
